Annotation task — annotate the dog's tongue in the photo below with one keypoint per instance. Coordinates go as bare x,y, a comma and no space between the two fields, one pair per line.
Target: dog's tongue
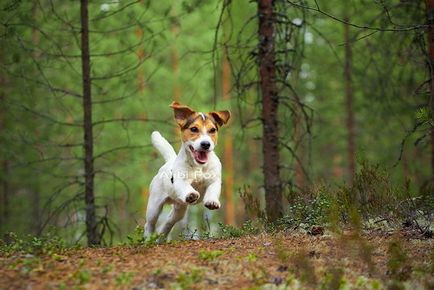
201,156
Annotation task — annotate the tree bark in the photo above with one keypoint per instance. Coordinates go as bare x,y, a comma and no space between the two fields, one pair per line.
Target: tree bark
93,237
270,104
430,41
228,149
348,75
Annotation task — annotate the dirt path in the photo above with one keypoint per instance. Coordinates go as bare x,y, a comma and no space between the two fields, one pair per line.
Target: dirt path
267,261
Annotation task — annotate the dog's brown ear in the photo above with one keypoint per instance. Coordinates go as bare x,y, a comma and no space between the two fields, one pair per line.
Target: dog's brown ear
221,117
182,113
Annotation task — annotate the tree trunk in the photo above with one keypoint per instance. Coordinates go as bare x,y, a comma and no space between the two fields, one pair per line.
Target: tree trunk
351,146
93,237
430,37
228,149
270,104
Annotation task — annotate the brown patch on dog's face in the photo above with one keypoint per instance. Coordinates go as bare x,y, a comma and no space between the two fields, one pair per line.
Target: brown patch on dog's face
220,117
182,113
199,127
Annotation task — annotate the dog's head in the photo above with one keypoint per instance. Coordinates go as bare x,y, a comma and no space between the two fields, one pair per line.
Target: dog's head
199,131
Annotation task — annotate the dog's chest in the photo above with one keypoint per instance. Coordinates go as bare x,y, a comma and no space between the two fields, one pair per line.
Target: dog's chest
199,179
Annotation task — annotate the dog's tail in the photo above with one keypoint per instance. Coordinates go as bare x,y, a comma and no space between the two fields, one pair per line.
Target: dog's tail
162,146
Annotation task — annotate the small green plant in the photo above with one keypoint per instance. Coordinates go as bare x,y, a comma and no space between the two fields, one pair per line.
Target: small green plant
423,114
186,280
248,228
124,278
251,257
107,268
210,255
136,238
82,276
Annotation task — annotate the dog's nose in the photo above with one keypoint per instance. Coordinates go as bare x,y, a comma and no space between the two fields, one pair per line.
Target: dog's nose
205,145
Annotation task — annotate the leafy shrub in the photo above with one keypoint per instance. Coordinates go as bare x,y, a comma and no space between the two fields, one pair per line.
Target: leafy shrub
248,228
45,244
136,238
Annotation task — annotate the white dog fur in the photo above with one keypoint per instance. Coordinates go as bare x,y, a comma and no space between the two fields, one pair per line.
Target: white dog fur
182,181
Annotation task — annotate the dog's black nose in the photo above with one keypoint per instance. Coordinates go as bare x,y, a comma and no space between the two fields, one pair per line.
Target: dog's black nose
205,145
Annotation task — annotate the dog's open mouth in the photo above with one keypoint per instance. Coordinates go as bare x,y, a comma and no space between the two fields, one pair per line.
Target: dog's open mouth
200,156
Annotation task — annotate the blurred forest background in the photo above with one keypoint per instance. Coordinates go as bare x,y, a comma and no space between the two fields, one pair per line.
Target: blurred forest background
345,113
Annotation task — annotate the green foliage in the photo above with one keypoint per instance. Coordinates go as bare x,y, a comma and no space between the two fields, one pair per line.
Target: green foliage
306,212
248,228
372,196
423,115
188,279
82,276
251,257
210,255
136,238
46,244
124,278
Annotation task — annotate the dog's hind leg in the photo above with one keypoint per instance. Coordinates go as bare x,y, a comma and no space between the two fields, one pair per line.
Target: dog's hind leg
177,213
155,205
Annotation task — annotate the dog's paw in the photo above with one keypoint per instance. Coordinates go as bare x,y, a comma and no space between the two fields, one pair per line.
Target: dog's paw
192,197
212,204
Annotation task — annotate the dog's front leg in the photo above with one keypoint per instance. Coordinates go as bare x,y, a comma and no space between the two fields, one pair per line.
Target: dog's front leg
212,194
184,191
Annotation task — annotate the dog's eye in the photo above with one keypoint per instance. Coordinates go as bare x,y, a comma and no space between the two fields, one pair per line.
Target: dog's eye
212,130
194,129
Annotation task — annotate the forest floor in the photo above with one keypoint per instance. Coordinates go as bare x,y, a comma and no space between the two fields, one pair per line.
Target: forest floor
373,260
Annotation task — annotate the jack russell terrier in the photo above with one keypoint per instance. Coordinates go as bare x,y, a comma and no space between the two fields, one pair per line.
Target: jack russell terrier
191,176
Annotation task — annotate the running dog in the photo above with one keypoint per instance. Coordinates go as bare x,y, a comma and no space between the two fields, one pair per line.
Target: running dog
191,176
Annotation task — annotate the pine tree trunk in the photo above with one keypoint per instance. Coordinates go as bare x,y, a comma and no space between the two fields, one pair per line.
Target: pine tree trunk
93,237
430,37
351,146
228,150
270,104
